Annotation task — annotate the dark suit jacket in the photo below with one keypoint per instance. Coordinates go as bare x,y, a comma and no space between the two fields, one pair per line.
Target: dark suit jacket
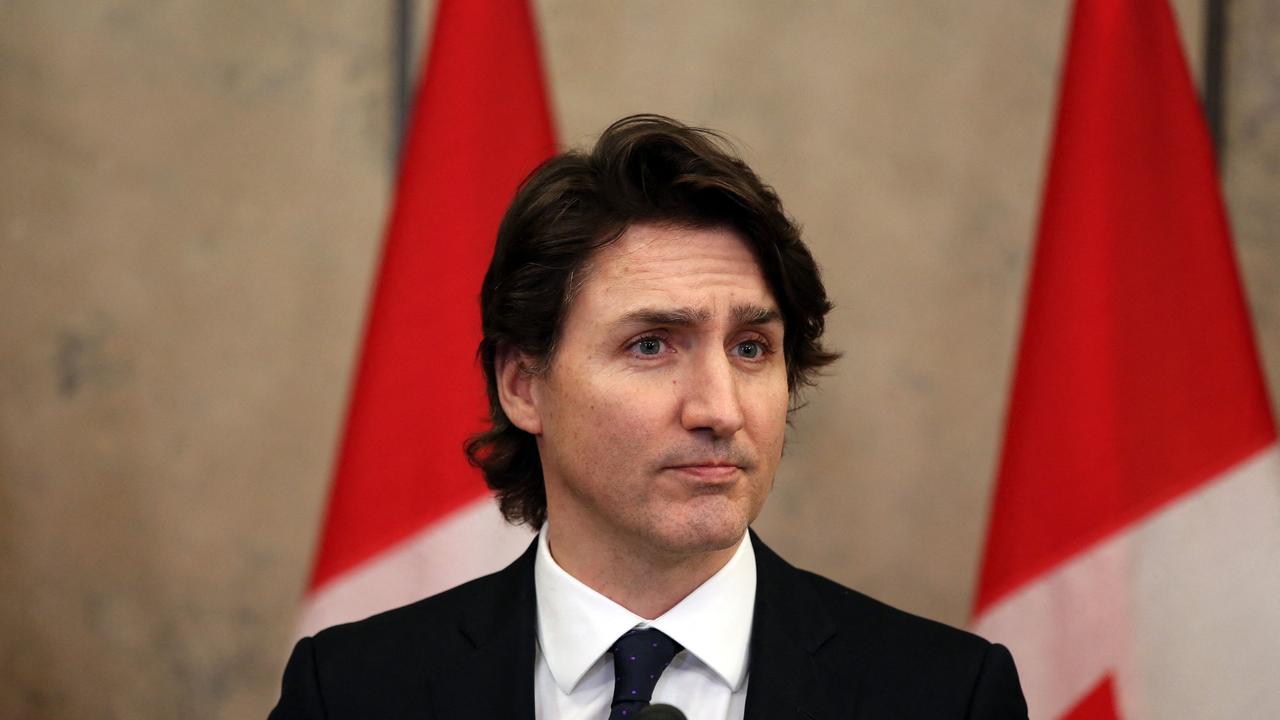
818,650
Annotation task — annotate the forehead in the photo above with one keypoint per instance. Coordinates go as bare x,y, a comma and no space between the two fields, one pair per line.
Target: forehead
665,265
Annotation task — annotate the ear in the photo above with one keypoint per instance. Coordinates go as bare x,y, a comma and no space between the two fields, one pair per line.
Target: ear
515,389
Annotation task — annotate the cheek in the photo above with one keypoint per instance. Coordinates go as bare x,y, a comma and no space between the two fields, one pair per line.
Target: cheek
606,416
769,402
632,415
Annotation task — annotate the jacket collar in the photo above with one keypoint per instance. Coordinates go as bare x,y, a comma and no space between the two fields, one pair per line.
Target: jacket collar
792,625
494,679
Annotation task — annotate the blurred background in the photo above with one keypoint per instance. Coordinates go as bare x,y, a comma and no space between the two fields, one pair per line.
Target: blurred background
192,199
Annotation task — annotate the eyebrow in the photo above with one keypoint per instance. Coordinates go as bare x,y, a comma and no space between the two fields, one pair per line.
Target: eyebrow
689,316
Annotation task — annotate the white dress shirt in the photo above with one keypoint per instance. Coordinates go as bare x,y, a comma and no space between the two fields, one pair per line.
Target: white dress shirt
573,676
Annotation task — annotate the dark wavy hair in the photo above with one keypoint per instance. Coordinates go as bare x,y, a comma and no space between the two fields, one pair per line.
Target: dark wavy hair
643,169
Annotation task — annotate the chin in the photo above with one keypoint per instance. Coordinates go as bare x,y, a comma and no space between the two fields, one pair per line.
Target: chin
702,532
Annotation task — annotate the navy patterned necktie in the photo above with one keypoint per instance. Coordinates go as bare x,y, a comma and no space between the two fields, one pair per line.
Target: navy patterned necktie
639,657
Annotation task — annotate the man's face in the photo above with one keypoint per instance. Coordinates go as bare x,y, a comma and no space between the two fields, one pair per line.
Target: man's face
663,411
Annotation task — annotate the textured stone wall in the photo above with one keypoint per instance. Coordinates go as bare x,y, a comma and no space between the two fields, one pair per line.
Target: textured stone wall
191,196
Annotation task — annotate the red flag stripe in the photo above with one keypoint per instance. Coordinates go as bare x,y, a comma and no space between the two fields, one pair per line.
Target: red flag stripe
481,123
1099,704
1137,377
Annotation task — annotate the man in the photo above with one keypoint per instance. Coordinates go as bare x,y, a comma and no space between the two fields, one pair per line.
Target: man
650,316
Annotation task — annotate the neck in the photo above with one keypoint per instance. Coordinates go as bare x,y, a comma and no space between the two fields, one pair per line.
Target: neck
646,581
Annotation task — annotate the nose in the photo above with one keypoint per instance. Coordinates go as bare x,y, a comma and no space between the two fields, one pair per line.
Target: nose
710,398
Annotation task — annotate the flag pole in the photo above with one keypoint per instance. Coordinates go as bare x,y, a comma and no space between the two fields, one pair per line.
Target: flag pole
1215,40
402,80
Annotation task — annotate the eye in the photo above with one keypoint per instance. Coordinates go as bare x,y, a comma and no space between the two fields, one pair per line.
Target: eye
751,349
650,345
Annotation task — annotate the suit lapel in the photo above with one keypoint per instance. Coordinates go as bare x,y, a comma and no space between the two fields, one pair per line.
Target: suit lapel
790,626
495,677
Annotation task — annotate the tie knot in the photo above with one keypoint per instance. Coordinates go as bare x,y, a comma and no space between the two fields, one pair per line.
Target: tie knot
639,657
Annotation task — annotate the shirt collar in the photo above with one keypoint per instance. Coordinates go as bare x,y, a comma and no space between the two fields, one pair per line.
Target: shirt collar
577,625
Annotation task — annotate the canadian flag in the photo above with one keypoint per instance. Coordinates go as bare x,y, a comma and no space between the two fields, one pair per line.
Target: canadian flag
407,516
1132,561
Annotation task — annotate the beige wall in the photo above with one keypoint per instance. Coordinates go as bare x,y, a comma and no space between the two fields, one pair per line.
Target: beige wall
191,197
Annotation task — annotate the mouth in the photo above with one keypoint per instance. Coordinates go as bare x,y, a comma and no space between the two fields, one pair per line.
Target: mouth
709,471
